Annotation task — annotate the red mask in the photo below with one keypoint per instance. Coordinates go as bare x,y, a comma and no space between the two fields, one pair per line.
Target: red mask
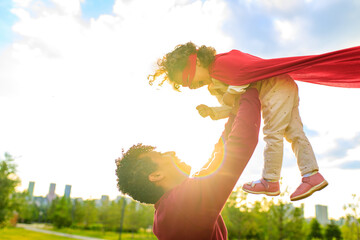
189,71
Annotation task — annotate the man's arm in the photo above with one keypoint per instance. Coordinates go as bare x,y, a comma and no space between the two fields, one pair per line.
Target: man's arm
243,129
205,195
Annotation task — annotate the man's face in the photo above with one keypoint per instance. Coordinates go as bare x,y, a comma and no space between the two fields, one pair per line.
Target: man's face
169,162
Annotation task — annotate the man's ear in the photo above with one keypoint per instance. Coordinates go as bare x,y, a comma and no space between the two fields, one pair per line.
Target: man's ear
156,176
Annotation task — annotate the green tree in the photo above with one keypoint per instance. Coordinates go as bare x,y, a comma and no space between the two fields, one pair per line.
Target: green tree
27,209
244,220
349,229
104,215
43,210
352,229
332,231
114,215
279,215
285,221
137,216
146,213
78,213
91,213
8,182
60,214
263,219
234,214
256,220
294,227
315,232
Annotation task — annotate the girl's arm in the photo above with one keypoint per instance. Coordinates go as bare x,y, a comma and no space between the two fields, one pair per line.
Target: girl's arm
233,93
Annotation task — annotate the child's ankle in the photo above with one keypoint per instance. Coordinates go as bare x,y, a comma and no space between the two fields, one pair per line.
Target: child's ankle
270,180
310,173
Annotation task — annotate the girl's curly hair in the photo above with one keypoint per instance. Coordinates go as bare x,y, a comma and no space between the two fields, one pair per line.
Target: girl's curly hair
177,59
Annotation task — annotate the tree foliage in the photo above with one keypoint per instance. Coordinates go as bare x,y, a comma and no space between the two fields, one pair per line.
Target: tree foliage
315,232
262,219
60,212
8,182
332,231
351,229
27,209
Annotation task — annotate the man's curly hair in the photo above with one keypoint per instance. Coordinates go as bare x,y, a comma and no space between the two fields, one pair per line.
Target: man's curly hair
133,170
176,61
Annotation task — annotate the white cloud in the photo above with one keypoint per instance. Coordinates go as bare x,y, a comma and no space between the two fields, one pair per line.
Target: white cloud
70,7
22,3
286,29
277,5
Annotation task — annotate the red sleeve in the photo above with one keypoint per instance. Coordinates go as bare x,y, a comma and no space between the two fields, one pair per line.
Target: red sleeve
202,198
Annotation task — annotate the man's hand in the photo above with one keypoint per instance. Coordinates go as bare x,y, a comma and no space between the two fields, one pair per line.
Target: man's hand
229,99
204,110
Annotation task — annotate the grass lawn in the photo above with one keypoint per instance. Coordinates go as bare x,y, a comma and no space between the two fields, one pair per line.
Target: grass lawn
107,235
22,234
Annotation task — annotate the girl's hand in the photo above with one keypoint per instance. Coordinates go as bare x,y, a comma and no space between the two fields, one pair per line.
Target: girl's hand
204,110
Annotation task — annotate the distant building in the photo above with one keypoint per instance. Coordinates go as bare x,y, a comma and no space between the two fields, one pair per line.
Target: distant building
79,199
302,206
31,189
67,191
340,221
51,195
322,214
40,201
118,198
104,198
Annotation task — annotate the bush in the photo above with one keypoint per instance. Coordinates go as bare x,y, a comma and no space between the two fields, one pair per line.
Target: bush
95,227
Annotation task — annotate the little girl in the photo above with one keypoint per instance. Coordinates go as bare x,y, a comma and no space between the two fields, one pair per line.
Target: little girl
228,75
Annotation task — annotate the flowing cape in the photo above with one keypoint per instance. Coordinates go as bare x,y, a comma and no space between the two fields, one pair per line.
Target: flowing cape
338,69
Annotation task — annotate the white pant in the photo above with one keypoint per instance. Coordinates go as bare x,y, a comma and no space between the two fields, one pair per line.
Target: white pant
280,101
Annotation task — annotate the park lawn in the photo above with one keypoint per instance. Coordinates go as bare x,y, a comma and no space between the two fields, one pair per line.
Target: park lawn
107,235
23,234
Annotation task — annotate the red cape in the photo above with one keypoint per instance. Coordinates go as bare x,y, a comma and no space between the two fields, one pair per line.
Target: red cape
339,68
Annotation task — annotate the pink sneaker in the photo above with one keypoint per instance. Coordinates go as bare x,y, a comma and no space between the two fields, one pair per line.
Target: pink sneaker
308,186
264,187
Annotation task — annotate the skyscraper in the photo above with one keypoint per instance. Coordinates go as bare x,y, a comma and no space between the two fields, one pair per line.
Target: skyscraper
51,195
322,214
67,191
31,189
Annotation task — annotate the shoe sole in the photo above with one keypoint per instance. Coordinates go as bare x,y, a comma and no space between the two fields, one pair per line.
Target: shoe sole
272,194
318,187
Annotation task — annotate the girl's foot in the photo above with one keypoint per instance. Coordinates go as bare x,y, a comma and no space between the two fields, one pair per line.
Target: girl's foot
308,186
262,187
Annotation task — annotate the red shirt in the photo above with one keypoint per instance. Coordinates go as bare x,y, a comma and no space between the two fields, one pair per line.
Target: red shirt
192,209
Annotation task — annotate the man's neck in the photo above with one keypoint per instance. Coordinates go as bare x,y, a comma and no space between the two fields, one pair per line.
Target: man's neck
169,184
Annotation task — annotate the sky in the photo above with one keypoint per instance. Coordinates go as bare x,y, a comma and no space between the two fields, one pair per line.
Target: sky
74,89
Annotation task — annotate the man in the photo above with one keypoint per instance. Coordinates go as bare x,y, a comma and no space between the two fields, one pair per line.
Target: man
189,208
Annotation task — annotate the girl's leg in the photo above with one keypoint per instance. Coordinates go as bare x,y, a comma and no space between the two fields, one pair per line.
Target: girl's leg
312,180
300,144
277,96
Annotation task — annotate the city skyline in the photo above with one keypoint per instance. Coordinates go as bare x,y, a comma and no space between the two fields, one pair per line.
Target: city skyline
321,211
